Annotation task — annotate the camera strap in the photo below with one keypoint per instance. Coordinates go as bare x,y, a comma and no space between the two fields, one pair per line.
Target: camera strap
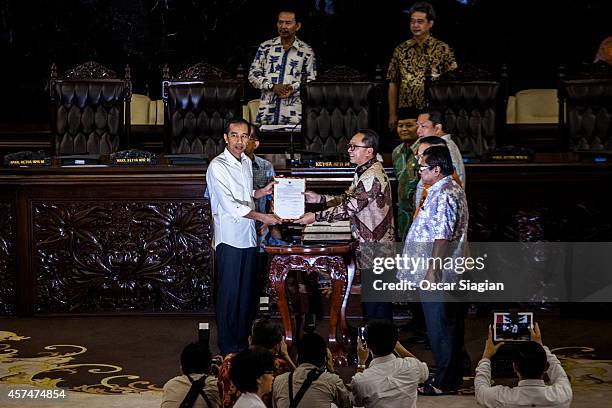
197,388
312,376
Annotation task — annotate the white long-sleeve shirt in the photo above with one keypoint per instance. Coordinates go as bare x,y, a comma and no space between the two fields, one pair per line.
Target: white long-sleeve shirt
389,382
528,393
230,186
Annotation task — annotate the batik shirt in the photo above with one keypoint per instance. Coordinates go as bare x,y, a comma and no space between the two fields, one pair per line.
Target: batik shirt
274,65
443,216
367,203
405,169
408,64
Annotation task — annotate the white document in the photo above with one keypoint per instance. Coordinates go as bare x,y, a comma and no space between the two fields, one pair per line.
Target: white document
289,197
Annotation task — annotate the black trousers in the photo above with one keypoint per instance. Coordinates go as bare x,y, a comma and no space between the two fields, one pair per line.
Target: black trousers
445,329
236,304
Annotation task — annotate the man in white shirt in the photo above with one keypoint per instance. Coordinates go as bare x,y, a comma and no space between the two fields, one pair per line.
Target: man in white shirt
389,381
429,123
229,178
533,360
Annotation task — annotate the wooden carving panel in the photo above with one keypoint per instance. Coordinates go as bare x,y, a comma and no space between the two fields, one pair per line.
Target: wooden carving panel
7,259
122,256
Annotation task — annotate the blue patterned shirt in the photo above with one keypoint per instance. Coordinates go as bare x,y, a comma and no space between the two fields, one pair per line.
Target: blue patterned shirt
273,65
263,171
443,216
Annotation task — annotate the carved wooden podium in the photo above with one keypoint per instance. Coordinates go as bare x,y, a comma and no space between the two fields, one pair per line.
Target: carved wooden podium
337,260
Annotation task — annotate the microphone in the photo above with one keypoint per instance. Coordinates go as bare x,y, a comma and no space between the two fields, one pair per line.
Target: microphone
291,144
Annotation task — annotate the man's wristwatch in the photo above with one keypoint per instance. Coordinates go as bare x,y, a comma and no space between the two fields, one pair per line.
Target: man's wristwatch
270,85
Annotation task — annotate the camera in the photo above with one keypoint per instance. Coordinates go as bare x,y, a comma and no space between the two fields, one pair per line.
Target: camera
512,326
204,334
310,323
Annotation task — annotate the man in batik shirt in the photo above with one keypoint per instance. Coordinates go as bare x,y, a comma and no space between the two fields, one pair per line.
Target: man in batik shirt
410,60
439,230
278,69
367,203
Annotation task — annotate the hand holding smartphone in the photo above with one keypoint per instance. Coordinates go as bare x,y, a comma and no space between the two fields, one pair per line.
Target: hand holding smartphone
361,334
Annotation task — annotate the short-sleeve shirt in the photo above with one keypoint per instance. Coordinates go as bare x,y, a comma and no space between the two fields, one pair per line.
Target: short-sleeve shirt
443,216
408,64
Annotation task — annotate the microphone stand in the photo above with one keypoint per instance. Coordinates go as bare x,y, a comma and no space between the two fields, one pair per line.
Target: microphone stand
291,145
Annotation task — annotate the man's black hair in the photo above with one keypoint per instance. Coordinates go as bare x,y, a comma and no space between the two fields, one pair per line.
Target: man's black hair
255,133
439,156
247,366
432,141
434,115
423,7
291,8
530,360
266,334
312,350
234,121
370,138
195,359
407,113
381,337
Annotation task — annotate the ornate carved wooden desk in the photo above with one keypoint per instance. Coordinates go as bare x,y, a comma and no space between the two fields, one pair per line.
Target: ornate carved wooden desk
337,260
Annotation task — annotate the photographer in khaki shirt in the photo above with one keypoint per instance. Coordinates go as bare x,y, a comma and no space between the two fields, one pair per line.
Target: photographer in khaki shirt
325,387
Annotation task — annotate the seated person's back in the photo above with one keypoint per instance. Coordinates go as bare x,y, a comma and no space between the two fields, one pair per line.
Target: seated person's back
326,389
195,363
389,381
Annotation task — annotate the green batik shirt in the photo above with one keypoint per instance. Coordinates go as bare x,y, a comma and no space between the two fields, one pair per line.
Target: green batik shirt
405,169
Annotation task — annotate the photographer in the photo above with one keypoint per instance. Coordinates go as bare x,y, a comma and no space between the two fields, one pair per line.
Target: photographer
268,335
532,361
194,388
389,381
313,383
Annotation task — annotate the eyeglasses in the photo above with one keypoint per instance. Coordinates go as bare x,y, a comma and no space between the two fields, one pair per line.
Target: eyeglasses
351,146
423,168
239,136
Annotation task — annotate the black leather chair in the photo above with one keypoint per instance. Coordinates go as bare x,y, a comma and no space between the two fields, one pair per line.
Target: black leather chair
586,121
198,103
90,110
473,106
340,101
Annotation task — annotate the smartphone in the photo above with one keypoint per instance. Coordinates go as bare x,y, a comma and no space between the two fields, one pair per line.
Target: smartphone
512,326
204,333
361,334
